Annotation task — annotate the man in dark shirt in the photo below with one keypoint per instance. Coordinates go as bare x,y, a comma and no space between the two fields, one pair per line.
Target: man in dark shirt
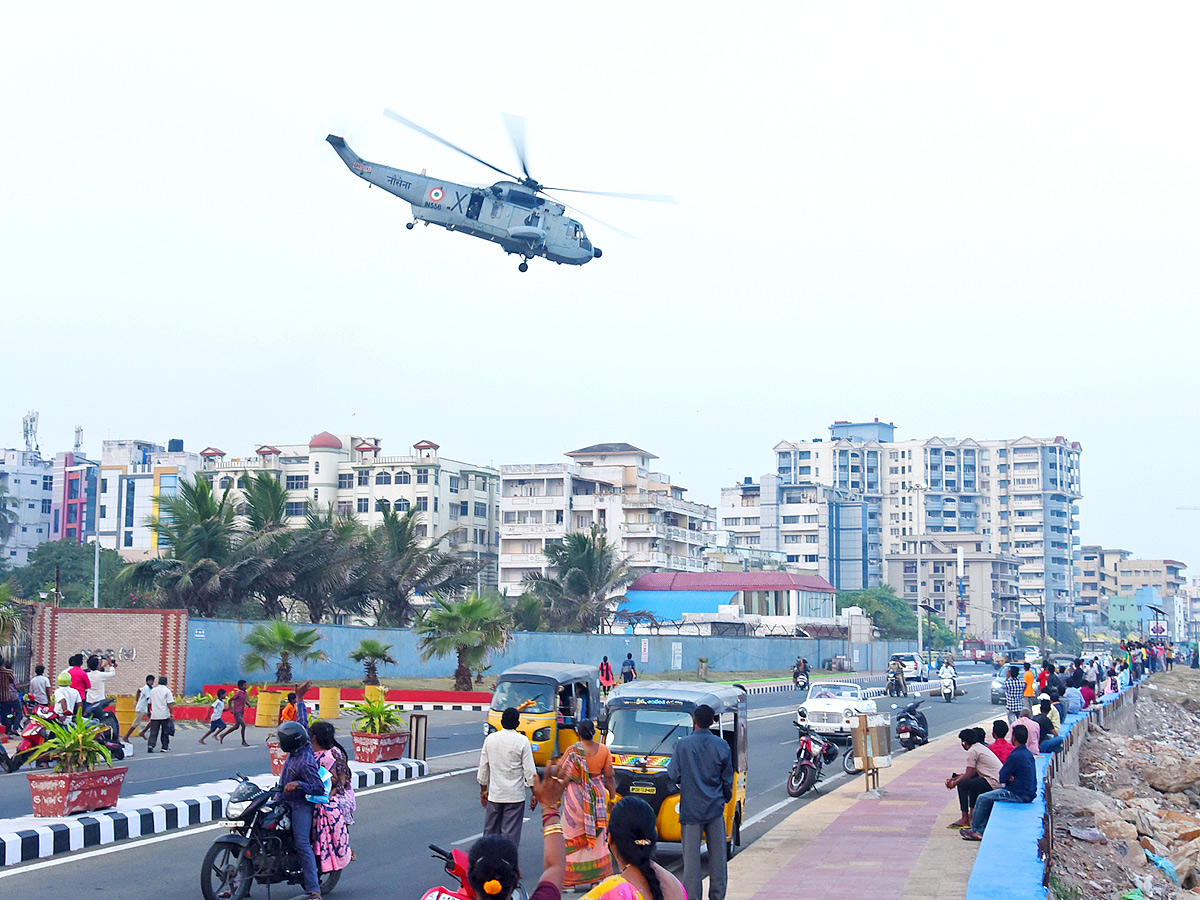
1018,784
1050,739
703,768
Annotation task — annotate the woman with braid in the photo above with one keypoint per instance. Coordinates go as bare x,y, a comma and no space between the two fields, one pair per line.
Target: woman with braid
632,839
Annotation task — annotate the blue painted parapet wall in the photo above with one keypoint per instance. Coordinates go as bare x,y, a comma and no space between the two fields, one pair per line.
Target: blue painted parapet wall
1010,863
215,651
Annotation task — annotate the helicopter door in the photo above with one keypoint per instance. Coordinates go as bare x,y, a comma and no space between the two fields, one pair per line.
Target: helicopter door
474,206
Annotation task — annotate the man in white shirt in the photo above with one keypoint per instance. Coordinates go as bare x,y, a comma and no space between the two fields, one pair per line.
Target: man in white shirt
162,702
141,709
505,770
99,672
39,686
66,698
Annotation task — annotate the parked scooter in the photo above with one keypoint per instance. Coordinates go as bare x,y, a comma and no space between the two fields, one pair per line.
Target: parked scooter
912,728
811,756
456,867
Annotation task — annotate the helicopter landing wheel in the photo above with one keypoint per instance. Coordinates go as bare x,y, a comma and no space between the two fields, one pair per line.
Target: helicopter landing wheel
523,267
408,225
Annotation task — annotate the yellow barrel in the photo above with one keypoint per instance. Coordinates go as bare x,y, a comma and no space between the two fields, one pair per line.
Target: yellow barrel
373,692
330,696
268,709
125,713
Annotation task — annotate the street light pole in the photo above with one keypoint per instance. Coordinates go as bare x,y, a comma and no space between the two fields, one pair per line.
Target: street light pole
918,489
96,573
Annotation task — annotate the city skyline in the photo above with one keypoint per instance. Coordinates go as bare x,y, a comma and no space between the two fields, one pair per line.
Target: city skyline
939,216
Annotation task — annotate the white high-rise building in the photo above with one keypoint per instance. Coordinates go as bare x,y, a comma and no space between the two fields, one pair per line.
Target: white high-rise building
608,485
457,500
29,482
1018,495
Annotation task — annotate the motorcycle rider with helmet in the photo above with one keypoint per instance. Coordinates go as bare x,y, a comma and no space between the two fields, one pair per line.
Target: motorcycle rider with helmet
299,779
948,673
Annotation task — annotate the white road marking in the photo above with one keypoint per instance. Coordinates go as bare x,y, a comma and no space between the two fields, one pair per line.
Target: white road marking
786,712
769,810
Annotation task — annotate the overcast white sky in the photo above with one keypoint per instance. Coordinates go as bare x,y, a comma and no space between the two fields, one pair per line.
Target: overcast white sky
966,219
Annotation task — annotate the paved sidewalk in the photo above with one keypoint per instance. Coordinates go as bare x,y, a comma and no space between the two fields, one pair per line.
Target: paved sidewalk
844,846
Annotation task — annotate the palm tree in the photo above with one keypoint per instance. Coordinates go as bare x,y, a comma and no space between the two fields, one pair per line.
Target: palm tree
12,620
371,653
323,558
283,640
577,593
469,628
200,531
261,570
398,564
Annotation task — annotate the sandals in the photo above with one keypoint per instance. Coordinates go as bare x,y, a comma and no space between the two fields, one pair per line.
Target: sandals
968,835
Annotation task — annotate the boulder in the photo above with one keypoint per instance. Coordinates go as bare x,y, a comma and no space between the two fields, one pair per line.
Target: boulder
1114,827
1171,778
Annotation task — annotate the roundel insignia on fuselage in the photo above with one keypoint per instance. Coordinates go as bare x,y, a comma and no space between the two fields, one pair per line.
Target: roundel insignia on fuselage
436,195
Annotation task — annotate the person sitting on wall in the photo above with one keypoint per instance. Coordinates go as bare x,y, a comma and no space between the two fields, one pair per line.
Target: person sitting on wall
981,774
1000,744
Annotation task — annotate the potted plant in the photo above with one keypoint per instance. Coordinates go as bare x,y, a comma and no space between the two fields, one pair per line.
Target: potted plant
77,783
378,733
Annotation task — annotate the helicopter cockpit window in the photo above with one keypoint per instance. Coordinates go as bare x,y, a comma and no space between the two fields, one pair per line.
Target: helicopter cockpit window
524,200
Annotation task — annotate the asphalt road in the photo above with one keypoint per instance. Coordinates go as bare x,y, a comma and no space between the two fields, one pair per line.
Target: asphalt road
397,822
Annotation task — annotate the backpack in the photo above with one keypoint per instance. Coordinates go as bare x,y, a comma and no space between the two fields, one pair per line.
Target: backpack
326,782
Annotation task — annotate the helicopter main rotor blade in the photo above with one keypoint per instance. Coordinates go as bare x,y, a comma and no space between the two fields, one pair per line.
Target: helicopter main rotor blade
652,198
516,133
441,140
580,212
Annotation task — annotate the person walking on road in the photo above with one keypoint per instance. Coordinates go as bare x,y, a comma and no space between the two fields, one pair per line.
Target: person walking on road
702,767
216,724
628,669
237,706
606,677
162,705
587,766
141,709
505,770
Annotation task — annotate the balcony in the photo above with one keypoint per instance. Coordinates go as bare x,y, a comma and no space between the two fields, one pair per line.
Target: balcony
555,501
644,528
514,530
522,559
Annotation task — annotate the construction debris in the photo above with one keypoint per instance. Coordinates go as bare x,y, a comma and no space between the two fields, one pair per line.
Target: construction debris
1142,797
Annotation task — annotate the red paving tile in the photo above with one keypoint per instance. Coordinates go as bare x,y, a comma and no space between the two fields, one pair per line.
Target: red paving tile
833,865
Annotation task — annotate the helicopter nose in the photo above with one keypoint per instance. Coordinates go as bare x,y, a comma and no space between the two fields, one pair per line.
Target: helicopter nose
597,253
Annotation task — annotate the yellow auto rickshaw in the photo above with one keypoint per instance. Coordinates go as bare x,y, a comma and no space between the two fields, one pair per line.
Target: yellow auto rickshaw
551,698
642,722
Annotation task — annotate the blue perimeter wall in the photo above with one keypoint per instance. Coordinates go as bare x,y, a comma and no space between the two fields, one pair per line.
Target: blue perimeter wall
215,650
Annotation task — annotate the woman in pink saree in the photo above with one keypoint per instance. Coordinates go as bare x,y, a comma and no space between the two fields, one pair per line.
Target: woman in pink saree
588,766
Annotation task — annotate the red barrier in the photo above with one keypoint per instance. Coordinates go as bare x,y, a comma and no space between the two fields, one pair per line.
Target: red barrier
356,694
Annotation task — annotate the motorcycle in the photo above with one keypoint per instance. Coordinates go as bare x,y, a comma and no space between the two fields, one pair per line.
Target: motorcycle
102,712
456,867
34,732
799,677
912,728
811,757
893,686
257,848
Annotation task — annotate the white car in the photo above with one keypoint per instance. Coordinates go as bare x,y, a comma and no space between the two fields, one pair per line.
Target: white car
832,707
915,668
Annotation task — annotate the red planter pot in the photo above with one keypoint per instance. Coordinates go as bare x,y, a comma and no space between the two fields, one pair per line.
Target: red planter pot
369,748
57,794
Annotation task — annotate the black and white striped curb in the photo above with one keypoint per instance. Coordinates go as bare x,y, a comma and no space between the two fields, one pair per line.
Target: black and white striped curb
429,707
62,835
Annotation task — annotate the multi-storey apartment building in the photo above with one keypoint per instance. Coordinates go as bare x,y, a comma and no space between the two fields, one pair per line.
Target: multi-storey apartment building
608,485
73,506
457,500
28,481
971,587
1164,575
819,529
1020,493
1096,582
132,474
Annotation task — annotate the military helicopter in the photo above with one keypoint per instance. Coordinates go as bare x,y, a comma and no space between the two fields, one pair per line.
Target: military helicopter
518,214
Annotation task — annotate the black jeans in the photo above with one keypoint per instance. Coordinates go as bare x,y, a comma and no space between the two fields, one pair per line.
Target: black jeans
159,727
969,789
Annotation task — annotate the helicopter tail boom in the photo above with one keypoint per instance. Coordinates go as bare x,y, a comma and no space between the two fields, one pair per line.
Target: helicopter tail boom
404,185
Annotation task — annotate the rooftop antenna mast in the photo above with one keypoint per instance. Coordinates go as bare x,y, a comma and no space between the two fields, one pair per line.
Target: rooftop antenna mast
29,424
78,438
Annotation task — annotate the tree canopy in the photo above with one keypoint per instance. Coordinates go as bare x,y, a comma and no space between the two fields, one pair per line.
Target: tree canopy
75,563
